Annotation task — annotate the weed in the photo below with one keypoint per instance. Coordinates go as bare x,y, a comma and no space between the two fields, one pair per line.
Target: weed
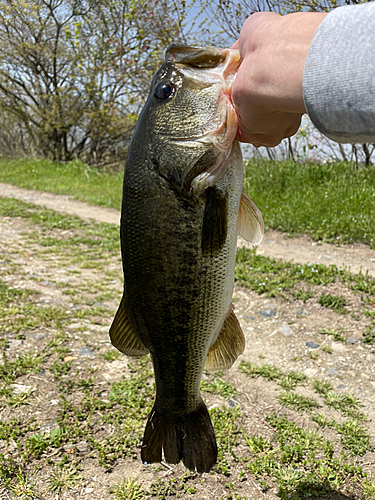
322,420
162,489
303,294
218,386
36,444
23,486
321,386
353,437
291,379
57,344
258,444
67,384
111,355
341,402
303,462
64,478
336,303
297,402
10,295
269,372
346,404
26,363
312,355
326,348
369,335
60,368
129,489
228,432
336,334
287,380
18,399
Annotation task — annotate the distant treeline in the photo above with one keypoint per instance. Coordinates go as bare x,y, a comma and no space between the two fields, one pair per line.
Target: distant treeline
74,74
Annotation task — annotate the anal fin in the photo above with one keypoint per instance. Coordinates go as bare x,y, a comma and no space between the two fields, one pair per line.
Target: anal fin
122,334
250,221
228,346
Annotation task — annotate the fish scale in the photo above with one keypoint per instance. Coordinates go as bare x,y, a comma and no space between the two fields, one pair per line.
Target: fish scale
182,196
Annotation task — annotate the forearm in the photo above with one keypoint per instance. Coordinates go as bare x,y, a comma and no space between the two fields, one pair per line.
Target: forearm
339,75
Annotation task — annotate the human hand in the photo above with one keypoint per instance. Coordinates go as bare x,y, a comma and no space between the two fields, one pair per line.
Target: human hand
267,92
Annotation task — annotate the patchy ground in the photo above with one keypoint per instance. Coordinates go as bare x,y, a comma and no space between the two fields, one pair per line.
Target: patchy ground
293,417
299,249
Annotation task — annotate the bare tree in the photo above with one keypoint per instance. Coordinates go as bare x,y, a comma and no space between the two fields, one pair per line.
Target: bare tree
75,72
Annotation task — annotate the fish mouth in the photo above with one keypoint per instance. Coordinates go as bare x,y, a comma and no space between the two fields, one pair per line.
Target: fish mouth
220,132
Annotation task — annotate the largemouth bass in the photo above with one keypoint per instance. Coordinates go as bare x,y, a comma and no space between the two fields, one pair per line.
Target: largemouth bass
182,206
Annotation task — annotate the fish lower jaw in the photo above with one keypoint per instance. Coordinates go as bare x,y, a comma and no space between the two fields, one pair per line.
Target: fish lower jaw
231,65
223,137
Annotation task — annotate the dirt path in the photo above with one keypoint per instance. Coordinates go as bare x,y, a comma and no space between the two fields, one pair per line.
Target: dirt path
299,249
88,404
61,203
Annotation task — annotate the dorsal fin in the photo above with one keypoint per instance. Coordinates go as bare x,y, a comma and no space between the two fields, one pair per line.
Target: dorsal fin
228,346
122,334
250,221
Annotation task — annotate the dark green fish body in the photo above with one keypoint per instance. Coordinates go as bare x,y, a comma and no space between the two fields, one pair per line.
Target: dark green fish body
179,219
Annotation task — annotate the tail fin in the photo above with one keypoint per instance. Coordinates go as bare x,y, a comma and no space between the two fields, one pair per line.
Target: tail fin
189,438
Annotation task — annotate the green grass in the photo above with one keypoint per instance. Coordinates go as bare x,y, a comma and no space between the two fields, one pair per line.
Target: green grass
335,334
331,202
354,438
294,461
216,385
287,380
95,234
228,432
80,181
273,278
333,302
297,402
129,489
23,487
64,478
302,462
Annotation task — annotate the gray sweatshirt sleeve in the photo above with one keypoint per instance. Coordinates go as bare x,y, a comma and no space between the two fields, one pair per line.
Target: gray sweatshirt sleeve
339,75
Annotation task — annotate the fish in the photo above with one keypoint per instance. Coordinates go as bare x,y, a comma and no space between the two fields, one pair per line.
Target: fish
182,207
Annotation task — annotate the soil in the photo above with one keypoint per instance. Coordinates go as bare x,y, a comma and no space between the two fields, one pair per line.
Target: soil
277,331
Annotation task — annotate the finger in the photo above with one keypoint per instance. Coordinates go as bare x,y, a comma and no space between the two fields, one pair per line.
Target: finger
294,126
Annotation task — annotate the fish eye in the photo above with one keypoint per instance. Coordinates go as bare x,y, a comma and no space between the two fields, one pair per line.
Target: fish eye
163,90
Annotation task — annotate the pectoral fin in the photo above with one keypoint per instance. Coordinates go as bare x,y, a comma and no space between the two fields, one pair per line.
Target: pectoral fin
228,346
215,222
250,221
122,334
